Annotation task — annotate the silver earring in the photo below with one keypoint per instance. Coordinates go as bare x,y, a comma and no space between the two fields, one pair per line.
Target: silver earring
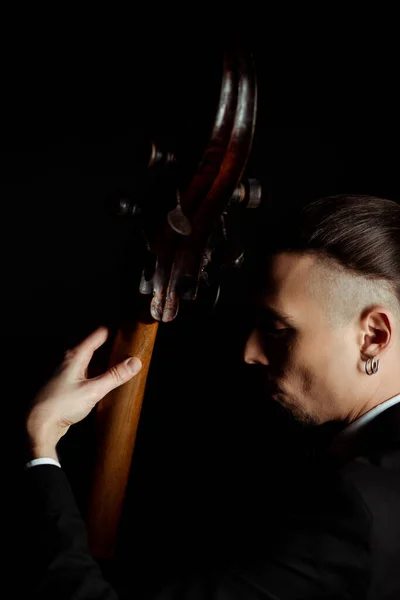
374,366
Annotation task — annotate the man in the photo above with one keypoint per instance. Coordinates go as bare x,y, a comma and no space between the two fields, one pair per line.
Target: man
325,308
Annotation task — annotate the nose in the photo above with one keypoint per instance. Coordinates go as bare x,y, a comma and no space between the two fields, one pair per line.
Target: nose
254,353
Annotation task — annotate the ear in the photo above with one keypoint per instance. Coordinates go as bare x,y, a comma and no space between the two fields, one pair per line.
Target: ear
378,326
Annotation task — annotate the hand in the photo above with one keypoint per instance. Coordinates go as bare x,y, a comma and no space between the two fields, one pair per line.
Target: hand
69,396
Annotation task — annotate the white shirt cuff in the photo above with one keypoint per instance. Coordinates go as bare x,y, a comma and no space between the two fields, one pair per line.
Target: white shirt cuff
42,461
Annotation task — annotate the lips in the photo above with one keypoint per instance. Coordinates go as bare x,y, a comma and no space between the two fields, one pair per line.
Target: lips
270,385
273,389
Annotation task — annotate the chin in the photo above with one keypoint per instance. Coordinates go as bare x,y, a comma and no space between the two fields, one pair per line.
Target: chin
300,415
305,419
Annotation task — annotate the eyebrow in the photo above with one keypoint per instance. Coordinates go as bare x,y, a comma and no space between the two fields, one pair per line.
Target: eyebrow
278,315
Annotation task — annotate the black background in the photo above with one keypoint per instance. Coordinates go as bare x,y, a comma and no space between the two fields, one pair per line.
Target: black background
74,115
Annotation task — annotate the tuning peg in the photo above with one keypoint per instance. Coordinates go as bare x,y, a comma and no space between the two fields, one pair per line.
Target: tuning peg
127,207
122,204
177,220
160,157
248,193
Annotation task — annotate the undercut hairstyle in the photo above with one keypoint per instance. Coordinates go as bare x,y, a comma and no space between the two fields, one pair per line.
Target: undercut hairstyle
357,242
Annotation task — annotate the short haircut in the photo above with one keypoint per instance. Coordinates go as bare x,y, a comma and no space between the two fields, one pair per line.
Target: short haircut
357,241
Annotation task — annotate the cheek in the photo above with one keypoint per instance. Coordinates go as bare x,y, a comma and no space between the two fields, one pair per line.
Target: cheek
326,363
294,361
311,361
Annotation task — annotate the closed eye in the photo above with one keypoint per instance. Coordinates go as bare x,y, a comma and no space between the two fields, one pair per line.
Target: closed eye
266,323
274,332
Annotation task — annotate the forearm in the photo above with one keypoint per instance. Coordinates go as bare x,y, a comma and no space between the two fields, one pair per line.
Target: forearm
62,566
41,441
62,562
58,539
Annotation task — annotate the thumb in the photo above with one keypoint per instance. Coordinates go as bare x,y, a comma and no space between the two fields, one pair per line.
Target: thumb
118,375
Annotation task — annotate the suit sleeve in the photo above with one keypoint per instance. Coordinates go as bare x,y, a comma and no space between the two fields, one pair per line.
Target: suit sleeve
322,550
58,558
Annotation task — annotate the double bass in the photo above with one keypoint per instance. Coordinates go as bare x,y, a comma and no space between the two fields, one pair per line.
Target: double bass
186,240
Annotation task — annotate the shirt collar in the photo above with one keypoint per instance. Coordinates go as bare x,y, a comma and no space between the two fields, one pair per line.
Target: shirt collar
371,432
359,423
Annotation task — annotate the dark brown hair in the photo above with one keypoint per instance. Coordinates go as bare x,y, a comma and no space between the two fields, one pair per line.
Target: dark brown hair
355,236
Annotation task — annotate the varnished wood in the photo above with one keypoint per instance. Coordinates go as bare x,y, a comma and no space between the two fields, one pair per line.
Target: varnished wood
178,255
118,418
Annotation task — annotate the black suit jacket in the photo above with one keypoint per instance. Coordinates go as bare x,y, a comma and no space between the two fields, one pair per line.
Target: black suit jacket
334,532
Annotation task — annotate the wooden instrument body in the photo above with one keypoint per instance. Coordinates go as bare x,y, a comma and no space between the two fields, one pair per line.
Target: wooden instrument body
181,248
118,419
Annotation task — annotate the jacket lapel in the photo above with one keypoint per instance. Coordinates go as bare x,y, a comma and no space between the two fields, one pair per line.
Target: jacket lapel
372,439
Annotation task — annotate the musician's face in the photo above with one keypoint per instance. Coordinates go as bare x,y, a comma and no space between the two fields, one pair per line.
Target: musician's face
312,366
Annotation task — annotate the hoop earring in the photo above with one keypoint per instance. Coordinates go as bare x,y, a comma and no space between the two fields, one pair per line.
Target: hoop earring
374,366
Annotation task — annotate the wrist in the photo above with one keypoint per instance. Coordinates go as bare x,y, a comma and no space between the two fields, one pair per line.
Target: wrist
43,451
38,447
39,443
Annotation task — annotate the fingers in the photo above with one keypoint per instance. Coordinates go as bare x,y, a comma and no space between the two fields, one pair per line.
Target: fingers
92,341
83,352
116,376
81,355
